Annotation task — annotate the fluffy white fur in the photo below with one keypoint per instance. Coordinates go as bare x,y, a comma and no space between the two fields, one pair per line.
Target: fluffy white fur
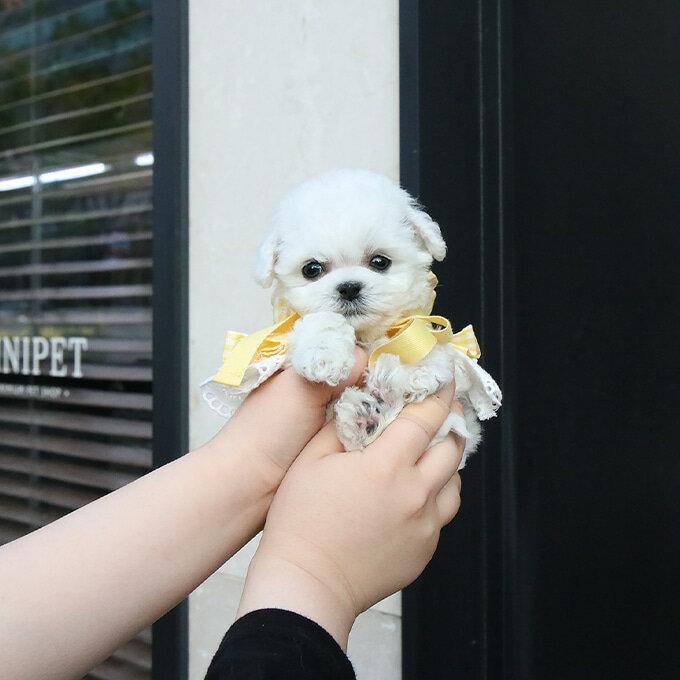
342,219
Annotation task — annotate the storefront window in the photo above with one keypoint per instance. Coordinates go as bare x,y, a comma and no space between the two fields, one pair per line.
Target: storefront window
75,263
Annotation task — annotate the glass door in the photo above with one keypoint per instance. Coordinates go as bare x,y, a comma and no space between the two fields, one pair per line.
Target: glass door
76,173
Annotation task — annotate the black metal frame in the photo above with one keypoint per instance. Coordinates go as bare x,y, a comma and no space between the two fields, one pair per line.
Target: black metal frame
170,283
455,156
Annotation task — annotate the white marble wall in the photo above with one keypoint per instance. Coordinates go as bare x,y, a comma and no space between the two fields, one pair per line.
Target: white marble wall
279,90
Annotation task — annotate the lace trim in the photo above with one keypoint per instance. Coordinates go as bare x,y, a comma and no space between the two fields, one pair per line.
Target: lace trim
484,394
225,399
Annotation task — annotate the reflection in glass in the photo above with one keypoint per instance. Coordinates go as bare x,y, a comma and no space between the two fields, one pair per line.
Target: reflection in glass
75,263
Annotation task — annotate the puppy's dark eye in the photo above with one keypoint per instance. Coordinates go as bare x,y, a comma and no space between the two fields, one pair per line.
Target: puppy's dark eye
313,270
380,263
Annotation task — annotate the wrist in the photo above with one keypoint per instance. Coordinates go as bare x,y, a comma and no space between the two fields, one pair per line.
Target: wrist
241,452
276,582
242,489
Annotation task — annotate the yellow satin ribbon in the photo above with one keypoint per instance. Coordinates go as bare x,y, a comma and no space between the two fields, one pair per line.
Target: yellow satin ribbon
241,350
414,337
411,339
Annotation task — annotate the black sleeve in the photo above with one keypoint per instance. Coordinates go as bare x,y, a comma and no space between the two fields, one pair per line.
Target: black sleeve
274,644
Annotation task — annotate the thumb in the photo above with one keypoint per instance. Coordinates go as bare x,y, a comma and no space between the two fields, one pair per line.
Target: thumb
411,433
323,443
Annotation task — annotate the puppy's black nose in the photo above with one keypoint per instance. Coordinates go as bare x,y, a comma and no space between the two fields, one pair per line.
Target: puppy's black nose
349,290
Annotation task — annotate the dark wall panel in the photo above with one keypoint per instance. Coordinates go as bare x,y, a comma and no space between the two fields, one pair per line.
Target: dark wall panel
597,191
546,140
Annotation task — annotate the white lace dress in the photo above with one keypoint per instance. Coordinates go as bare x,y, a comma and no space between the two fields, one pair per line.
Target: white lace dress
472,382
226,399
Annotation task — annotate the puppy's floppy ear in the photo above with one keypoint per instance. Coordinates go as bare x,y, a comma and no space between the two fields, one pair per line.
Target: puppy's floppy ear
266,259
427,229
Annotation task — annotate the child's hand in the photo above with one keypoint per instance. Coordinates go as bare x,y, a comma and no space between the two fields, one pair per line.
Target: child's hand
347,529
279,418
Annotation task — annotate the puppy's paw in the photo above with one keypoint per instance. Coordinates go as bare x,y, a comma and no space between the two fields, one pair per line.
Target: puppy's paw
357,418
434,372
322,348
422,384
360,417
386,379
324,365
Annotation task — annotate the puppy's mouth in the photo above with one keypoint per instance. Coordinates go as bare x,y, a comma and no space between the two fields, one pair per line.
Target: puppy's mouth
351,309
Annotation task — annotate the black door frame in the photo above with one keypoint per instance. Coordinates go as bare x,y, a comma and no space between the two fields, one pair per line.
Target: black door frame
572,577
456,157
460,616
170,283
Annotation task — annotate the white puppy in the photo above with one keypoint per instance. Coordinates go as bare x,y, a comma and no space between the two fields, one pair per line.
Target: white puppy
350,252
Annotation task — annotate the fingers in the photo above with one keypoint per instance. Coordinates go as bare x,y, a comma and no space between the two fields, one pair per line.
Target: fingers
330,392
448,499
323,443
457,409
290,383
440,462
413,429
293,407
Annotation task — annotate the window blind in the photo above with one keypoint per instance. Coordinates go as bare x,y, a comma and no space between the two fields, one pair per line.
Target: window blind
75,263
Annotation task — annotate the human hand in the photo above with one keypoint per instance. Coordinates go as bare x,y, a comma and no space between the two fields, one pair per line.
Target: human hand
347,529
278,419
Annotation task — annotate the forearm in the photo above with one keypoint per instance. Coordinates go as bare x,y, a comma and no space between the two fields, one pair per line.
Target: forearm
73,591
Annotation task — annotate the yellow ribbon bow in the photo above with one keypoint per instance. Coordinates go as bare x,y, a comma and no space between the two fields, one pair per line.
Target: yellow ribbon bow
414,337
411,339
